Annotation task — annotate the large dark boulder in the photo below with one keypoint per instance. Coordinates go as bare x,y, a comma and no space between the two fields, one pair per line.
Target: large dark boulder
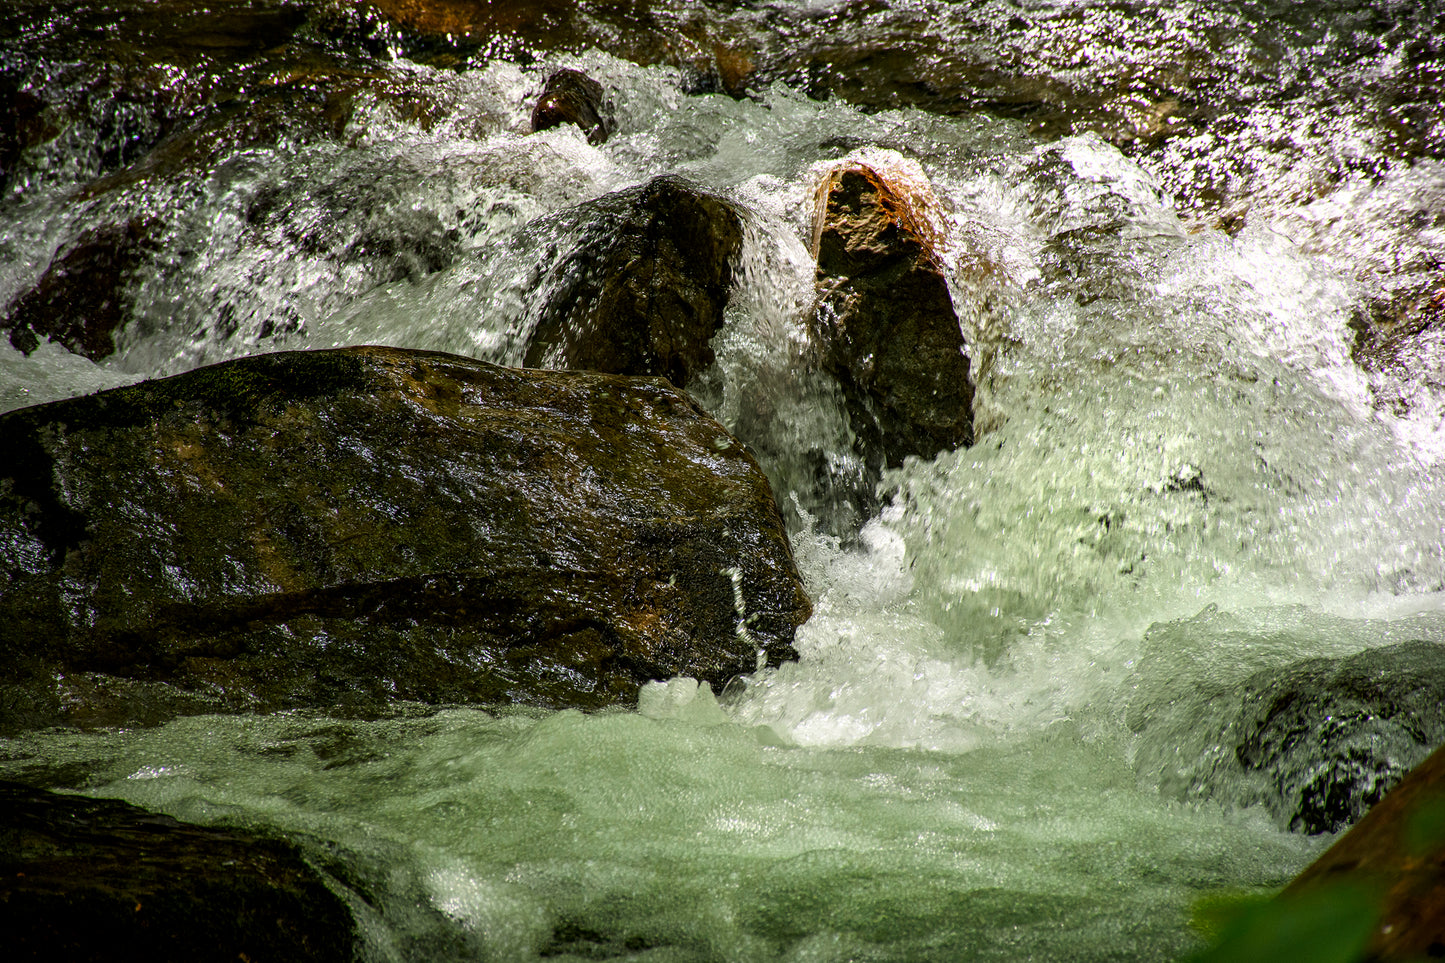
885,322
642,285
97,879
345,528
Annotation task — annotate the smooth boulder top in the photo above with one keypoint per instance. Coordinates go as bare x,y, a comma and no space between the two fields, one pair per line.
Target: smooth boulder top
351,528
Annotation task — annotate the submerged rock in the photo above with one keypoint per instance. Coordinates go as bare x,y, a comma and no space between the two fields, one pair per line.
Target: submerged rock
1315,743
572,97
346,528
885,322
1333,735
97,879
643,286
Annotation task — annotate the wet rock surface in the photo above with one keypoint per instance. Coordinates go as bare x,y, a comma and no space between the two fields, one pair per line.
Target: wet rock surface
1315,743
707,41
885,322
96,879
643,287
80,300
572,97
346,528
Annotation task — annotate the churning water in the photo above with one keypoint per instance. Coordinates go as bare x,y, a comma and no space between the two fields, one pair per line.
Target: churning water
996,744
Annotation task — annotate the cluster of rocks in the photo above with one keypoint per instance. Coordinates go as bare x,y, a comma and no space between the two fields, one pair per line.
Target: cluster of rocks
353,529
344,530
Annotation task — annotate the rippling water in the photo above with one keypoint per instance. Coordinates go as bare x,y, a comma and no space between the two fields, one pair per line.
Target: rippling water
1185,473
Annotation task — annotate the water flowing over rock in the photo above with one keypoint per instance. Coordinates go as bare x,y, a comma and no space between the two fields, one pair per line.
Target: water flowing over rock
1333,735
644,285
1316,742
885,321
80,300
351,527
96,879
572,97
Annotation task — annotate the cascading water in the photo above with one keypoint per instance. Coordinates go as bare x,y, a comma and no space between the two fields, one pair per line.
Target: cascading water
1006,735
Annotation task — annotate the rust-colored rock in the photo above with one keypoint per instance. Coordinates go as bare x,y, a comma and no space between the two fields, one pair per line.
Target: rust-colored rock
885,324
342,529
572,97
644,285
1398,851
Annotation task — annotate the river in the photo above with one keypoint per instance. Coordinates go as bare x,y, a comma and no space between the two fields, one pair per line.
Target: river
1002,738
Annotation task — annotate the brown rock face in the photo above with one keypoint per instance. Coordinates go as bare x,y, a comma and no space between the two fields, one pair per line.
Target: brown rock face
645,285
96,879
346,528
885,323
572,97
1397,851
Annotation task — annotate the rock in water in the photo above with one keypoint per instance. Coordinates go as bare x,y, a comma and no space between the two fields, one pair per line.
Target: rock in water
80,300
1333,735
346,528
97,879
1316,742
643,287
885,322
572,97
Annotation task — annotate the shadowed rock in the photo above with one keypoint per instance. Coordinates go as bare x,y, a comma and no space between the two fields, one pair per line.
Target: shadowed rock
97,879
643,286
701,39
572,97
346,528
885,322
1315,743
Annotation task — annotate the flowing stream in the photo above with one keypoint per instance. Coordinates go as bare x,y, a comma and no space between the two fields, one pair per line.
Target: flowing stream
1002,739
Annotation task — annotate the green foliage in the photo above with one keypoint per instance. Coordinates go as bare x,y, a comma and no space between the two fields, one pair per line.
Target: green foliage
1425,828
1331,924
